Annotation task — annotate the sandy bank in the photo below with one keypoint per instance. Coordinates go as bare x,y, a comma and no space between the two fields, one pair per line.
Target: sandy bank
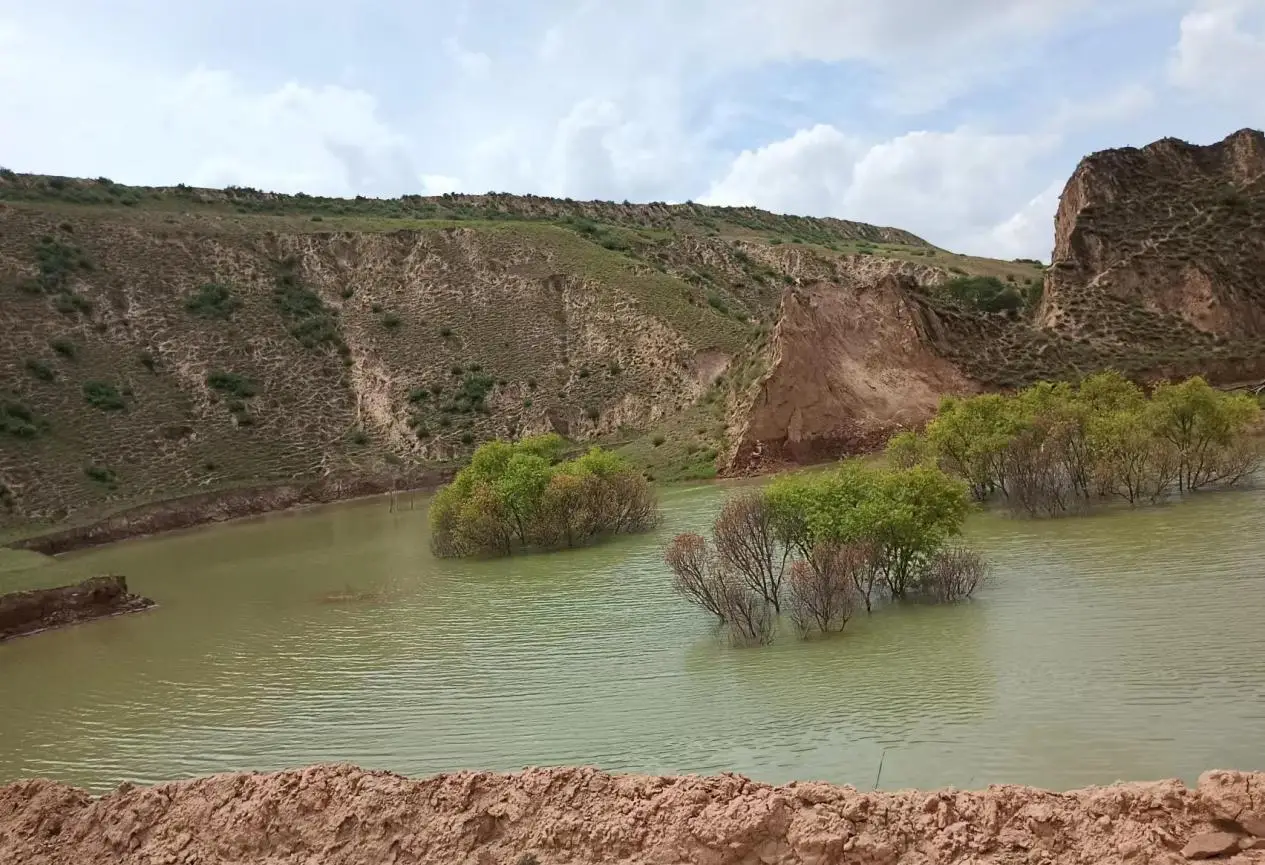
341,815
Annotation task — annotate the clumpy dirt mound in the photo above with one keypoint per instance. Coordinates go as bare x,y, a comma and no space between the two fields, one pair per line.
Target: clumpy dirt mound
850,365
341,815
41,609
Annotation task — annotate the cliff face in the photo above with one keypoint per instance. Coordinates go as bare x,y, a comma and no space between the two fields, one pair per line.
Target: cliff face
850,364
1172,229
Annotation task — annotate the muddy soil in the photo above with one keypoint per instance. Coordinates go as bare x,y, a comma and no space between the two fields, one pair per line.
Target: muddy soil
29,612
341,815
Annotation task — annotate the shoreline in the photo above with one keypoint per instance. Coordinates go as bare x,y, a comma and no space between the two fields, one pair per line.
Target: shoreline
35,611
220,506
342,815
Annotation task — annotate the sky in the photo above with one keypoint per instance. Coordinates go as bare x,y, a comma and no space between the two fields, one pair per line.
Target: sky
959,121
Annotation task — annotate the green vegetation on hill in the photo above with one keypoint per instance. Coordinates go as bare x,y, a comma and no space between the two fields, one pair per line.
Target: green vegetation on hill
524,495
202,338
1055,448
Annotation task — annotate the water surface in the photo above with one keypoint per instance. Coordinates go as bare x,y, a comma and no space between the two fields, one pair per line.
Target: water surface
1129,645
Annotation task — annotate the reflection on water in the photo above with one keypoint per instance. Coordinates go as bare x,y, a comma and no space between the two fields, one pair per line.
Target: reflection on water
1127,645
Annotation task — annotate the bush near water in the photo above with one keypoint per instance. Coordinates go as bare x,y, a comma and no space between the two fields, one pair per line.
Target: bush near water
524,495
1057,448
816,548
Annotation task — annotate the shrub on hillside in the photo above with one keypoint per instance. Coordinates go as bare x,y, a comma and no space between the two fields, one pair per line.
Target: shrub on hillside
523,495
103,395
985,293
212,300
17,420
232,384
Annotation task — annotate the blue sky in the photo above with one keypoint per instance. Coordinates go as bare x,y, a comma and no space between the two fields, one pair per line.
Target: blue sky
959,121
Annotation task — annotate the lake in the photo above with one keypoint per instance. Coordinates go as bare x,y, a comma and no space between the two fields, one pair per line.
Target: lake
1128,645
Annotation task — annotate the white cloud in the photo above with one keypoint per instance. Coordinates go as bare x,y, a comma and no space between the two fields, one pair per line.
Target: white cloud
1030,232
474,63
954,188
1221,52
204,127
645,101
810,172
1115,106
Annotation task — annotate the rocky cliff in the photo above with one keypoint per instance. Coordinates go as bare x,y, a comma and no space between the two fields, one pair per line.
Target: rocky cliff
340,815
1168,238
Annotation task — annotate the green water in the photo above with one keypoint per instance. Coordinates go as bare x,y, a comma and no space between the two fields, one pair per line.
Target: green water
1128,645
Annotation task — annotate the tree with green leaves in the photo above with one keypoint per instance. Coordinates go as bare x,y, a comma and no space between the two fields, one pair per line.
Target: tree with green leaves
1054,448
521,495
830,540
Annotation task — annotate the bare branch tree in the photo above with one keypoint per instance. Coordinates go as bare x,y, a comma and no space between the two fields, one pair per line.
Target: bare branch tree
953,574
695,576
749,617
863,561
747,544
822,591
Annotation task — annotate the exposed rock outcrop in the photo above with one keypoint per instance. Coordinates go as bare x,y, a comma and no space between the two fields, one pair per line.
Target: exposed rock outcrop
850,364
1172,228
37,610
341,815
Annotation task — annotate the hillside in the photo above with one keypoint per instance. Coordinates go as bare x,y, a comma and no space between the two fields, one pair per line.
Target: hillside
162,342
170,341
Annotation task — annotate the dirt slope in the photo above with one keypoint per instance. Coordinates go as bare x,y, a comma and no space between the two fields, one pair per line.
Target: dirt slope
341,815
851,364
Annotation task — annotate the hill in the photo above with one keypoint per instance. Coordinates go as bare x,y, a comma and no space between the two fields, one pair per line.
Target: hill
164,342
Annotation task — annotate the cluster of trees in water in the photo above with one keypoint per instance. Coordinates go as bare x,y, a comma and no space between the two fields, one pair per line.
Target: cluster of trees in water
816,548
524,494
1057,448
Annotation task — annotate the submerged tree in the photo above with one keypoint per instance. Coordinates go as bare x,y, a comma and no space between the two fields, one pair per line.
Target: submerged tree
823,590
523,495
1054,448
818,546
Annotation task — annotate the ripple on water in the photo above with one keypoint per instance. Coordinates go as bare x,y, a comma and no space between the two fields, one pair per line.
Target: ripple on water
1126,645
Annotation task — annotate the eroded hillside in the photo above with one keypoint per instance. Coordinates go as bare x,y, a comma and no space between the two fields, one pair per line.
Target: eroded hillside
163,342
1164,244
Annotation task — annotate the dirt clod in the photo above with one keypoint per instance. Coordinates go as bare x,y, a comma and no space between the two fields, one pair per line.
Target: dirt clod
1210,845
